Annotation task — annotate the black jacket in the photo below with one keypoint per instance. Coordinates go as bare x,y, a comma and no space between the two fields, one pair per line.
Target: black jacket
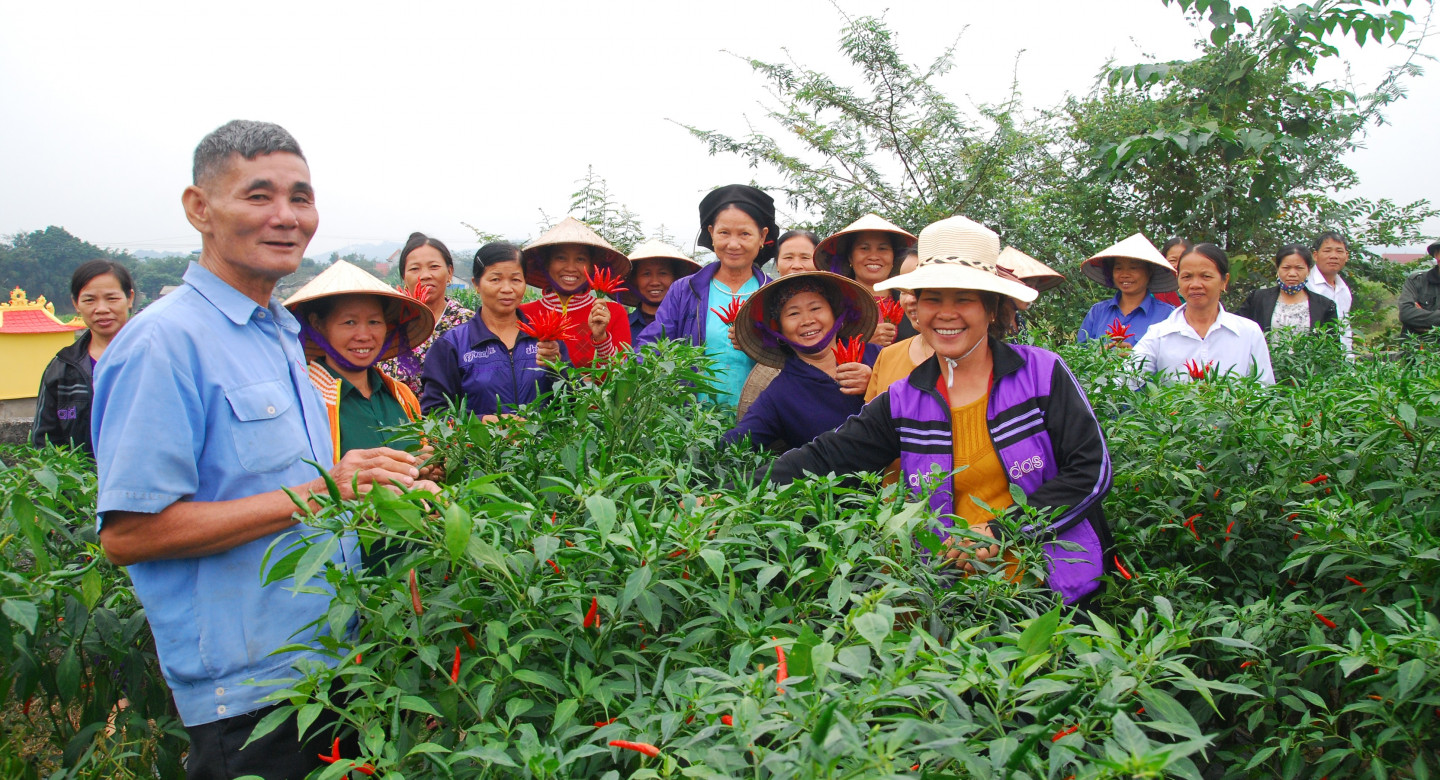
1260,307
1420,301
62,407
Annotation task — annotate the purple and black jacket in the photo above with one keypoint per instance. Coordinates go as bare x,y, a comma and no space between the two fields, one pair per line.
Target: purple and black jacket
1042,428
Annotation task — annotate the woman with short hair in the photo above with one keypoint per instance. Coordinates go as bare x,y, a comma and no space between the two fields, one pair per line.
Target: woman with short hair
1200,338
1136,272
490,362
1288,304
794,324
102,293
426,269
796,252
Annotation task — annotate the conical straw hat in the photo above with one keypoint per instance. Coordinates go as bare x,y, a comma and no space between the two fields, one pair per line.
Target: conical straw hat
342,278
654,250
752,314
959,254
831,245
570,231
1136,247
1029,270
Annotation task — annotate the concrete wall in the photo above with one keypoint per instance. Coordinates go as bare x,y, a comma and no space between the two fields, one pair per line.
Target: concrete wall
16,415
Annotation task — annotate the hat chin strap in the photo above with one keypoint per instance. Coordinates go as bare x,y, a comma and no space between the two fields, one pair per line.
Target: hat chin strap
950,363
814,349
554,285
307,332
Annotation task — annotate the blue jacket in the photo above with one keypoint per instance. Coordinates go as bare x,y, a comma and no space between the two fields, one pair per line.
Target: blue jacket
1107,312
801,403
682,314
472,361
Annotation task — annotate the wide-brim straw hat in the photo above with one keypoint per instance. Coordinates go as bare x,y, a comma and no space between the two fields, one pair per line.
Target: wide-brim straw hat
752,314
570,231
1029,270
959,254
1136,247
654,250
831,245
342,278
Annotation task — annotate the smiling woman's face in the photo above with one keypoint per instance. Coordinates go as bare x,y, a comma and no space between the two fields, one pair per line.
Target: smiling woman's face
872,257
737,239
355,328
952,321
806,318
568,265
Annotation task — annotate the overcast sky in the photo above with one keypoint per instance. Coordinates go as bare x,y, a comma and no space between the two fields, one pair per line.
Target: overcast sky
424,116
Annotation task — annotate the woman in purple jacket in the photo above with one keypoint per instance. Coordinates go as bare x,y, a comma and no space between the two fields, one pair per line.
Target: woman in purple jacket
489,362
794,324
1008,414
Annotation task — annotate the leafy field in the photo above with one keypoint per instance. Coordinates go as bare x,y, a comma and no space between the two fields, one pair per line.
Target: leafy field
603,573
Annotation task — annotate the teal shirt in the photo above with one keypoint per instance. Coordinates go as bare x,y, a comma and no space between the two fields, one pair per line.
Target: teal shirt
731,365
361,418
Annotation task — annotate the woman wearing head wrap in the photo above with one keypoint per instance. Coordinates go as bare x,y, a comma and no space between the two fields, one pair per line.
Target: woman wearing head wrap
738,223
1135,271
349,321
868,250
1009,414
427,270
794,324
489,361
654,267
561,263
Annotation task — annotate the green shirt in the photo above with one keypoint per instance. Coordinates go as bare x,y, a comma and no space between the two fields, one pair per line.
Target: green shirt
362,418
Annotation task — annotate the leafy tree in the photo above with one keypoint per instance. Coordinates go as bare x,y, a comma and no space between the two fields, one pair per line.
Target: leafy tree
43,261
596,206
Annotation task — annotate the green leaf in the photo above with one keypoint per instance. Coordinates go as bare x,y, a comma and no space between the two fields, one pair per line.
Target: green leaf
602,510
1410,674
418,704
873,628
90,585
1036,637
268,724
635,584
315,557
22,613
716,561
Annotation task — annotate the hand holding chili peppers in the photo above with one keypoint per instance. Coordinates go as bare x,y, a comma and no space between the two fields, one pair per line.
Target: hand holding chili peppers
602,281
546,326
1118,331
890,310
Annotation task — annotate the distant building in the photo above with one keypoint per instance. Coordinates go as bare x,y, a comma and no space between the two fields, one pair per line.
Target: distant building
30,335
1405,257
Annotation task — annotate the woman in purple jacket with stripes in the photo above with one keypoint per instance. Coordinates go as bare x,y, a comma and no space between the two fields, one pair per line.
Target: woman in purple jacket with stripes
979,416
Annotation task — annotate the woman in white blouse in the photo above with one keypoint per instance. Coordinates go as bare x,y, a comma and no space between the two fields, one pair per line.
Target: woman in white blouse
1200,338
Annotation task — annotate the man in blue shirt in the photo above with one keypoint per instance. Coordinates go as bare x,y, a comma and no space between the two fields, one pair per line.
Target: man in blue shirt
203,414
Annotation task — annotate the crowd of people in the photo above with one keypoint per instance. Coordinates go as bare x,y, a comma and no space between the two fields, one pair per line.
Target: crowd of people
872,350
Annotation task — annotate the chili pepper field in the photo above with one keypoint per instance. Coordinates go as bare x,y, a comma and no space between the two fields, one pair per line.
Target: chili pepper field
619,599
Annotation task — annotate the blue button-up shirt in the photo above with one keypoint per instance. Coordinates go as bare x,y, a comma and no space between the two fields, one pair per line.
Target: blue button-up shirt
1104,314
204,397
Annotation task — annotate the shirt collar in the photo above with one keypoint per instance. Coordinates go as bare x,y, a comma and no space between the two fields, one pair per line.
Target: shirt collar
235,305
371,375
1176,323
1144,306
1317,279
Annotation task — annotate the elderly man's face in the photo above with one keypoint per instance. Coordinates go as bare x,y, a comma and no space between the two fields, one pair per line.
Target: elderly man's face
259,215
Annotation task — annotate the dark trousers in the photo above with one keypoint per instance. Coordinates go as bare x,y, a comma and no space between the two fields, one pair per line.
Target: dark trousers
215,752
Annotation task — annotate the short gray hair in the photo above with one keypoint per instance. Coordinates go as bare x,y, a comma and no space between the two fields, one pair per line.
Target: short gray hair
244,137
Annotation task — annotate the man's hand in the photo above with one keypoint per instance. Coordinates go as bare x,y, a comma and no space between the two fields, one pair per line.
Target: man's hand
361,470
854,378
599,321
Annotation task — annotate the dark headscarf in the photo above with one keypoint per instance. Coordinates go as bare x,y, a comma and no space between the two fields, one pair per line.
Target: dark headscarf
759,206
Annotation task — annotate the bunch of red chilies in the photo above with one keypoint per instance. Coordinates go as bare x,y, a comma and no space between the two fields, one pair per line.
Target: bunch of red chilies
1118,331
547,326
1198,371
602,281
728,314
890,310
848,351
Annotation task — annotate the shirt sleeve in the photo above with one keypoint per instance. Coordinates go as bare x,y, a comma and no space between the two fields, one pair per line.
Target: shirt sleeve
1142,357
617,333
1260,353
1089,327
1083,475
440,378
761,423
667,318
866,441
149,426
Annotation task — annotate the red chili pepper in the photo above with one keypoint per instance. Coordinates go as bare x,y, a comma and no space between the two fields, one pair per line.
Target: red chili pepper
592,618
890,310
1190,523
334,753
1296,537
639,747
1140,711
914,767
357,658
605,282
685,575
727,720
1306,424
1118,331
600,724
455,667
728,314
1227,530
469,638
1121,568
569,543
552,518
1358,583
1247,663
415,595
848,351
26,709
1293,516
1217,493
1327,621
1196,370
782,670
554,566
677,553
1318,479
1059,735
546,326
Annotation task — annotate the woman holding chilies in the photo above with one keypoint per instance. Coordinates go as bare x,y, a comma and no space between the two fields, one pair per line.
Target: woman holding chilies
1136,271
1200,339
1288,304
738,223
426,269
811,325
866,250
565,263
654,267
989,413
102,294
491,362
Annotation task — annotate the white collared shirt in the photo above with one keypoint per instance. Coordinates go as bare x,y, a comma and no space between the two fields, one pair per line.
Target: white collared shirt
1339,292
1234,344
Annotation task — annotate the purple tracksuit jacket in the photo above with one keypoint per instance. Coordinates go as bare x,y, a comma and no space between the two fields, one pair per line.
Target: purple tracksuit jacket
1042,428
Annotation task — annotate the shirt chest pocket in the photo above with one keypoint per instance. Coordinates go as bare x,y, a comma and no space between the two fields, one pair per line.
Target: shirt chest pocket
268,428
